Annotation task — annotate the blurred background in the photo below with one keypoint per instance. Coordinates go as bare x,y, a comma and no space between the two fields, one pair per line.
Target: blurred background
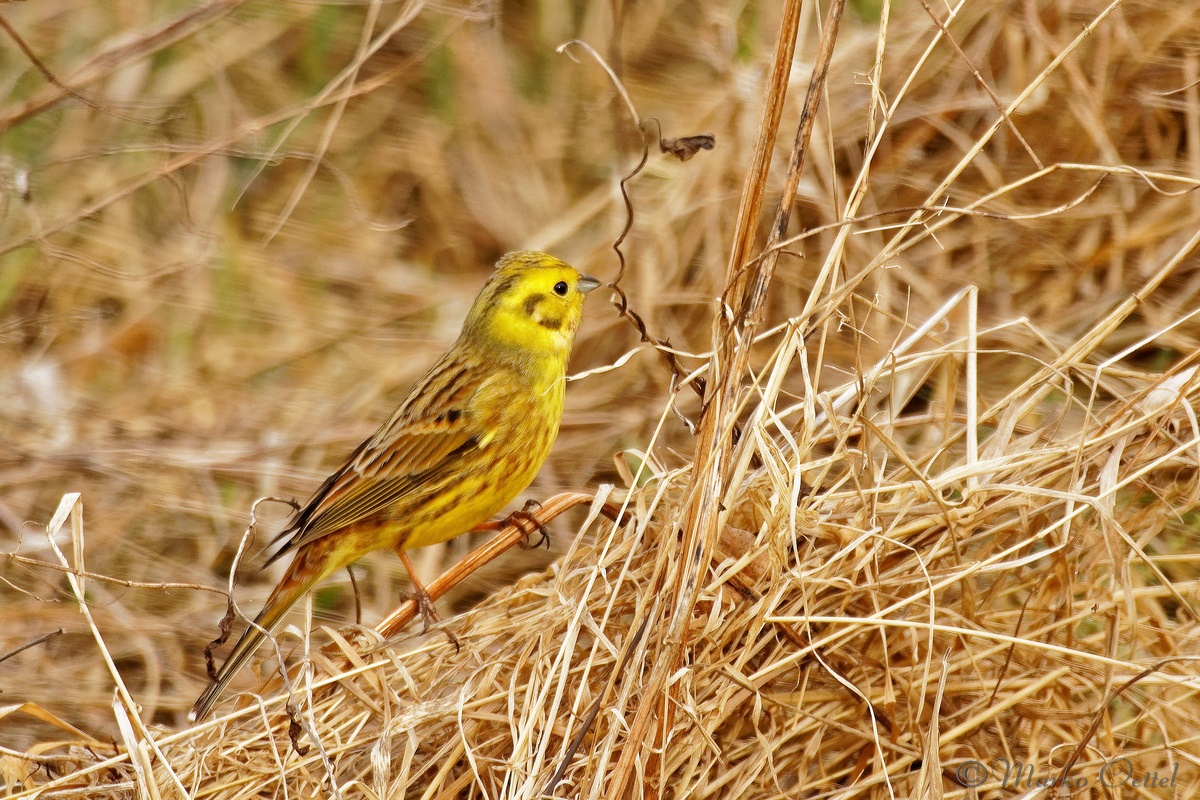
229,248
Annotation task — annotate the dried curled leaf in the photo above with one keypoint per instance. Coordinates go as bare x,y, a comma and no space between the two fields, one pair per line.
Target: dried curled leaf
685,147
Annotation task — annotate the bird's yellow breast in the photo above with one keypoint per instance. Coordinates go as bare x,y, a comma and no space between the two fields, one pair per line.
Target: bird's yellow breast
519,415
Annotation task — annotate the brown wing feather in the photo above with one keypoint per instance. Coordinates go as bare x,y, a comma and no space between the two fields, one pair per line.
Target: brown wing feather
432,429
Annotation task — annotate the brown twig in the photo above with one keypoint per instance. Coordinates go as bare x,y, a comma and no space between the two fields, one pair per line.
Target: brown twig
232,612
746,293
214,145
621,302
515,531
682,148
590,717
104,64
1102,711
96,576
991,93
53,80
357,597
34,643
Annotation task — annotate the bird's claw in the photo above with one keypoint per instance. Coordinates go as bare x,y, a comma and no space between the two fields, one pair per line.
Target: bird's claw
430,616
527,521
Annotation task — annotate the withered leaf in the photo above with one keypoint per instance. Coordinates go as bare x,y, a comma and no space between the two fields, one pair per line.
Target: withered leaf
685,147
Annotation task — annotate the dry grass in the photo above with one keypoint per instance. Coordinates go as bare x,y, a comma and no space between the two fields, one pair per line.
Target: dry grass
958,524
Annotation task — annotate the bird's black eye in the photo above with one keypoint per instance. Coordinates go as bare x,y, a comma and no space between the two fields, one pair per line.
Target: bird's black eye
560,288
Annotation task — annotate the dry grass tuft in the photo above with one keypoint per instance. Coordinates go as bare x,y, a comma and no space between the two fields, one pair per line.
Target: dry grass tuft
943,521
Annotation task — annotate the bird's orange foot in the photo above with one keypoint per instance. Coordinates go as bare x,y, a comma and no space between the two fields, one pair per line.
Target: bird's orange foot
527,521
430,616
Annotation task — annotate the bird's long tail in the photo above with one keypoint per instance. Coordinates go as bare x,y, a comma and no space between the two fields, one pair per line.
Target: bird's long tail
281,600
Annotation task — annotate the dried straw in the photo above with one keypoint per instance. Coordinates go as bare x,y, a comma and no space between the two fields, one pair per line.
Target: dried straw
938,520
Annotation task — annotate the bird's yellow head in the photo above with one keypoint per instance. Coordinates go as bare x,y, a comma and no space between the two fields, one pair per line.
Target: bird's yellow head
530,307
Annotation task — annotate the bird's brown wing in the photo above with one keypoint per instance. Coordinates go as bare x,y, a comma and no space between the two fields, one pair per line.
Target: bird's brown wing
426,438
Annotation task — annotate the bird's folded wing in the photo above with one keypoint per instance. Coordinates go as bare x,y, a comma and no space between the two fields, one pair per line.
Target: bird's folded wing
414,450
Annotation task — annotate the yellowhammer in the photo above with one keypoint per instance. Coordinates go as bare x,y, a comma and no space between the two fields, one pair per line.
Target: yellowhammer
469,437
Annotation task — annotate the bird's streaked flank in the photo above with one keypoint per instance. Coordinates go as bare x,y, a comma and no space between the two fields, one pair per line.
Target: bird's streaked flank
470,436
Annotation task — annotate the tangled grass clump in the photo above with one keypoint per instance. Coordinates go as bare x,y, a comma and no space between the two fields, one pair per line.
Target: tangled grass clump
938,515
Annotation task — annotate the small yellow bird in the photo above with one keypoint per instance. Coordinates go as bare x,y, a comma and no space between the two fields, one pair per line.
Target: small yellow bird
470,436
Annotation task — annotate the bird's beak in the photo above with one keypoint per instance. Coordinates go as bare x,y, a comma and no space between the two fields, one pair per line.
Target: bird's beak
587,283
